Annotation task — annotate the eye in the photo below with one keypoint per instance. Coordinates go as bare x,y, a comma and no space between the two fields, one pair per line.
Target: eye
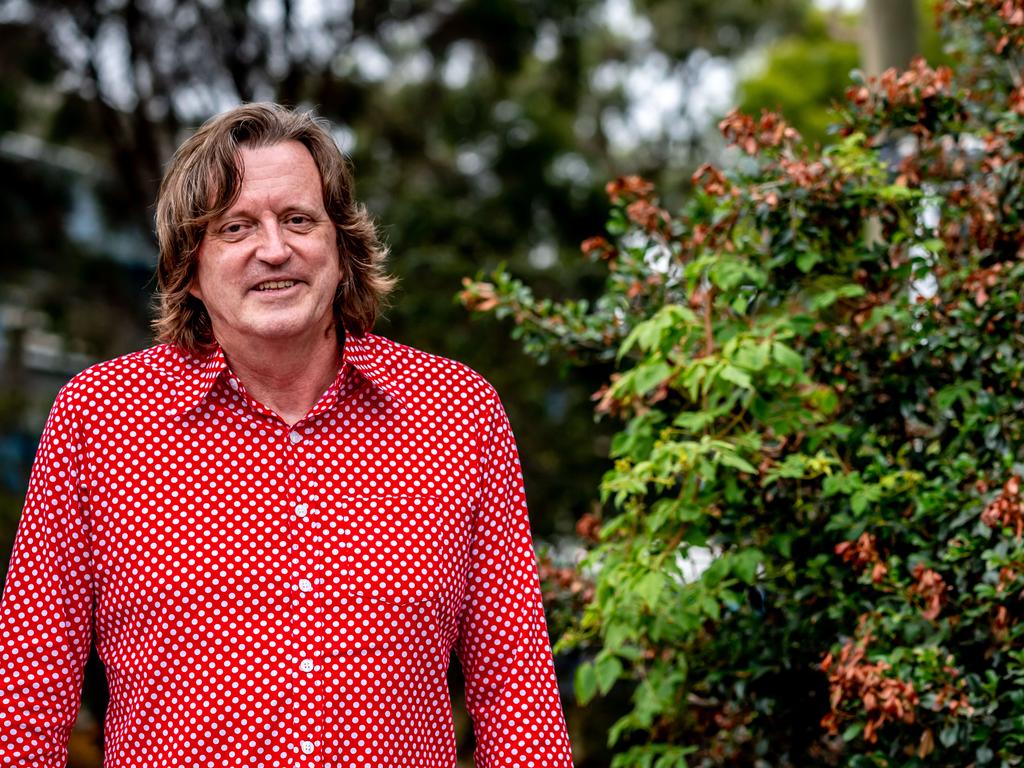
234,228
298,219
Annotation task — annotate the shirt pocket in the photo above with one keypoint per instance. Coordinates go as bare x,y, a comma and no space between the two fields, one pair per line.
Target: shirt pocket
400,575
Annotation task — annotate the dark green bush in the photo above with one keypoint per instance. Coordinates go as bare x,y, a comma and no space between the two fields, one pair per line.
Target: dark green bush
820,387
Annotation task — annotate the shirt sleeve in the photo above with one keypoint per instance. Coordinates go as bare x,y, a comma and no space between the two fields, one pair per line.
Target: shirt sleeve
45,614
503,645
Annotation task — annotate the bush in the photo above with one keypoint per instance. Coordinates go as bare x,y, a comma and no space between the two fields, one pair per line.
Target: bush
810,550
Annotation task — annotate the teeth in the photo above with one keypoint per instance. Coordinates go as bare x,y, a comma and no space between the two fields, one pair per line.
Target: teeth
271,285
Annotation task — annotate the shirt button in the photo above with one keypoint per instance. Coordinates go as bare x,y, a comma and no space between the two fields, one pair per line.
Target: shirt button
306,665
295,437
301,509
305,585
233,384
307,747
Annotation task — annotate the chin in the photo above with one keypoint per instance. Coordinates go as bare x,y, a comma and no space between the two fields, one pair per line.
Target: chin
280,334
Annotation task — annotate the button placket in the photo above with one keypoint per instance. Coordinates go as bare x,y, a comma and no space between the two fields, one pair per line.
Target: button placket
307,619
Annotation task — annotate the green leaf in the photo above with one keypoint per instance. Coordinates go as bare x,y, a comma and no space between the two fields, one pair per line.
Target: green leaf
805,261
715,572
737,377
616,224
783,543
737,462
692,378
827,298
662,329
786,356
649,588
895,193
694,421
823,399
607,671
620,726
745,565
617,633
648,376
728,273
711,607
586,682
853,730
859,503
752,356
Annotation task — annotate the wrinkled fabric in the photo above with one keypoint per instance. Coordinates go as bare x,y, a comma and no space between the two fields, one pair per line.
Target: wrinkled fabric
272,596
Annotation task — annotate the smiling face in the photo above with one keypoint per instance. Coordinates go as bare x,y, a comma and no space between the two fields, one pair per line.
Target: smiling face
268,267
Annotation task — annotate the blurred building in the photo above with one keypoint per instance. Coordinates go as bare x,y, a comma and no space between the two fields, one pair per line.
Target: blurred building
53,304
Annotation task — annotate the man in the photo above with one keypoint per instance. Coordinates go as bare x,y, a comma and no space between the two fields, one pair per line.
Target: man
277,525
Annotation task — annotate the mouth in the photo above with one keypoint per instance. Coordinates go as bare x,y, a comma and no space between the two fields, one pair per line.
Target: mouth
274,285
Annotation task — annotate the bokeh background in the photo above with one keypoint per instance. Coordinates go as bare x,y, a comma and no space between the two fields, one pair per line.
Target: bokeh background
482,132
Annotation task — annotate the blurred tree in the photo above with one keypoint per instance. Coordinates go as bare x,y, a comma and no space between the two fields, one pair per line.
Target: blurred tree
803,75
890,37
726,26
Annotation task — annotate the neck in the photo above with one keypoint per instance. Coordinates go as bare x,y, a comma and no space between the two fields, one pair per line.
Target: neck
288,378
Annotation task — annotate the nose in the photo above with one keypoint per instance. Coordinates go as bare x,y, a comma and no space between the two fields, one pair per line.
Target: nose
273,247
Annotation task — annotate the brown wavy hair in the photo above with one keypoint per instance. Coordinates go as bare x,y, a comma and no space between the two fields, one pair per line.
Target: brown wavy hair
203,180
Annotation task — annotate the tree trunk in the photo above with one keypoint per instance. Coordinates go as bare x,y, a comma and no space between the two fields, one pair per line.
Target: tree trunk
889,34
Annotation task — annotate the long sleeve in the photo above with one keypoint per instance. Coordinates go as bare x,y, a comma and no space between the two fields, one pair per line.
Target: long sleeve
511,689
45,615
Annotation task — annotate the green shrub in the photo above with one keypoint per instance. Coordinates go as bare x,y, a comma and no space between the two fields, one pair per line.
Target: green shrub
820,387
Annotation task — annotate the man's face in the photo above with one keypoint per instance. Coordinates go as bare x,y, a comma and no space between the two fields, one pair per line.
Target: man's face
268,268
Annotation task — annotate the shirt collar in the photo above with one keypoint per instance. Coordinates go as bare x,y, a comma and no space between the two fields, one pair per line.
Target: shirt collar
196,380
365,355
362,353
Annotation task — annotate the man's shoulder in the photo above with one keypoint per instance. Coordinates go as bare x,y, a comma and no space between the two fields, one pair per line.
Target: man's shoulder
415,373
137,375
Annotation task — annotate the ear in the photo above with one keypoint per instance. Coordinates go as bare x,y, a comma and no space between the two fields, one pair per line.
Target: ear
194,289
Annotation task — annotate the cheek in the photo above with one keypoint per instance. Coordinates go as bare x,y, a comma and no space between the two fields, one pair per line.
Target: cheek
205,277
332,269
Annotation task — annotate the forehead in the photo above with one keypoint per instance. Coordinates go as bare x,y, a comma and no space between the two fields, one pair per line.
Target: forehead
279,172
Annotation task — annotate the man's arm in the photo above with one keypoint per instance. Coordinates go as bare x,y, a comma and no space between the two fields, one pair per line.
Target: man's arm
511,689
46,612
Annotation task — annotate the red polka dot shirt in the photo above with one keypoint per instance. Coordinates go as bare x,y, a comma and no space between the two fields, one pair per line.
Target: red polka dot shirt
270,596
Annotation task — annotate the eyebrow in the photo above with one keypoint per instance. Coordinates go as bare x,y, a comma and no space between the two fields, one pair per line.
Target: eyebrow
248,212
